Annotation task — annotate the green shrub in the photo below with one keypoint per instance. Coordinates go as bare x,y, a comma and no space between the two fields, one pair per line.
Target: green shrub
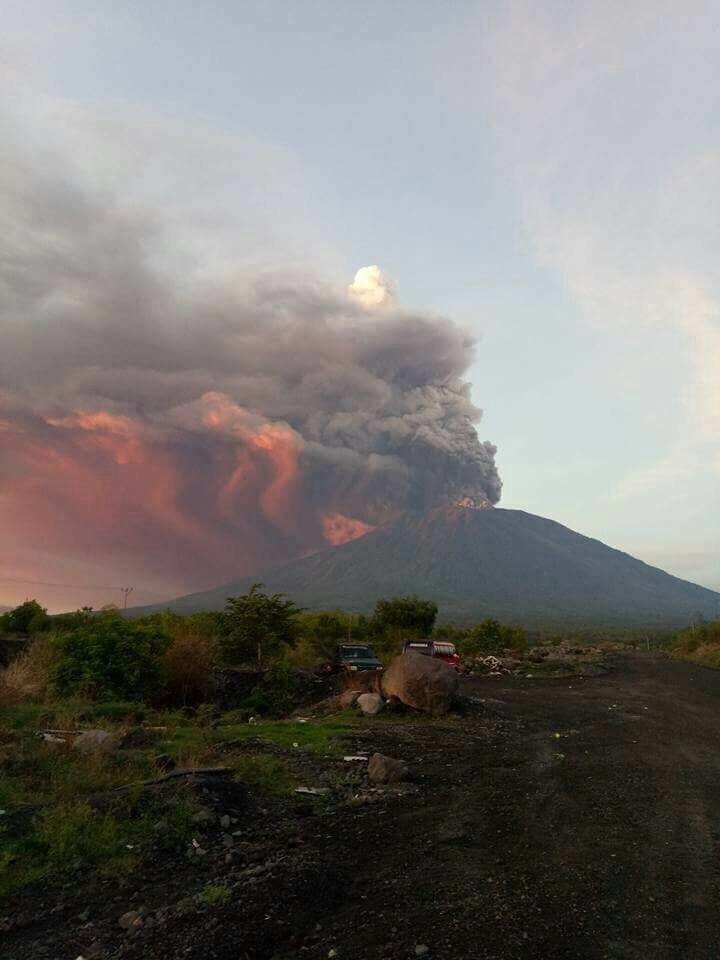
492,637
28,618
265,773
214,894
109,658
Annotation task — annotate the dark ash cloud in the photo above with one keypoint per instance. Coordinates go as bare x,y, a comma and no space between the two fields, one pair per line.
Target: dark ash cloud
202,427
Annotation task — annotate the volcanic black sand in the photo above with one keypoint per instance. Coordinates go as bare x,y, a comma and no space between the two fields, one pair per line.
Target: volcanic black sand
573,819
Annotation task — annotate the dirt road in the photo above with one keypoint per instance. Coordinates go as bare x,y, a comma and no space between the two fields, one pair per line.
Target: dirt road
573,819
585,826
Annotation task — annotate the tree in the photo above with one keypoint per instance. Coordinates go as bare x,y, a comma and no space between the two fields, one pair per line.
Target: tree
399,619
257,625
28,618
108,657
491,636
412,615
329,631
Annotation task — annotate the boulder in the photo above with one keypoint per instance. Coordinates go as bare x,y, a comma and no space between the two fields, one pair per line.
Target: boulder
421,682
370,703
382,769
348,698
95,741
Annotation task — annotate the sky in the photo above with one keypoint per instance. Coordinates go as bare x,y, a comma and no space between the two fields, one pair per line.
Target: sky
544,175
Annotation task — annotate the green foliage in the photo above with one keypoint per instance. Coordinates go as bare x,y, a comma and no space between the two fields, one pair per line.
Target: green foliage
266,773
699,643
277,693
320,633
492,637
214,895
412,615
330,630
400,618
61,622
206,623
109,658
67,838
29,618
257,626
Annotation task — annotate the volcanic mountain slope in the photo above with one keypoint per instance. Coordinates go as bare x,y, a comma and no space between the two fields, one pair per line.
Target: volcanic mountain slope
478,563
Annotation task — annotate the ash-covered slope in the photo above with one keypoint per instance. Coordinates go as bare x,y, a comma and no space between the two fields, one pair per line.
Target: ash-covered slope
478,563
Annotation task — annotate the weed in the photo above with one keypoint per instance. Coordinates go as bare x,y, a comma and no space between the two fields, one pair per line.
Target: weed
267,774
214,894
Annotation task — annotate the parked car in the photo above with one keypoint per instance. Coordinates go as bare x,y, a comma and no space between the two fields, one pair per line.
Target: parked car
351,657
440,649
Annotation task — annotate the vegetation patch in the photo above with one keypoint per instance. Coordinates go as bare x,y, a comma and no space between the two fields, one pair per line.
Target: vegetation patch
265,773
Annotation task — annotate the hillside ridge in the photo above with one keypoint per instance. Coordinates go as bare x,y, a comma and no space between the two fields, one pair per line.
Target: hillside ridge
497,562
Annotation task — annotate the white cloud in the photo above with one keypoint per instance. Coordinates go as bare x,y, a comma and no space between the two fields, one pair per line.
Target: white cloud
604,119
371,288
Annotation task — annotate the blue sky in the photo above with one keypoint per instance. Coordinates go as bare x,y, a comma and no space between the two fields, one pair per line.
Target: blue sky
546,174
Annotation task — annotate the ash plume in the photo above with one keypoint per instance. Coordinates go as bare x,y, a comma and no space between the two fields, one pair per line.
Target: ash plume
197,428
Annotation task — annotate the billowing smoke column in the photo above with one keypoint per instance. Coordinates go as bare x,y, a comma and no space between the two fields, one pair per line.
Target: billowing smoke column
191,430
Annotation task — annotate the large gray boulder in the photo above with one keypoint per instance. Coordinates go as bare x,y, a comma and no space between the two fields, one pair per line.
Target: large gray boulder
370,703
421,682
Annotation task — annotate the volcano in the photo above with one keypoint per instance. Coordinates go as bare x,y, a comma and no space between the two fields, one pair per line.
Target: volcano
477,563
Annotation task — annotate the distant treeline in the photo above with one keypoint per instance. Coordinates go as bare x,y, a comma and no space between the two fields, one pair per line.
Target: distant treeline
102,655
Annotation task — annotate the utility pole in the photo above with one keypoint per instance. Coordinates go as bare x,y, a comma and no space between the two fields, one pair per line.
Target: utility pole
126,591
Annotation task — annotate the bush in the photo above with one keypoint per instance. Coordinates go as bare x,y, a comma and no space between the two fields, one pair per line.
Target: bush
27,676
492,637
29,618
265,773
277,694
189,662
109,658
214,895
700,643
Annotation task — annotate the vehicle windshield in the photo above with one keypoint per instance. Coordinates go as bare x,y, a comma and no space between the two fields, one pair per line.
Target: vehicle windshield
357,653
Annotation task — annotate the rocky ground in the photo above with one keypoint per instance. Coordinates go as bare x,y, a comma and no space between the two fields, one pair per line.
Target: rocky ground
559,818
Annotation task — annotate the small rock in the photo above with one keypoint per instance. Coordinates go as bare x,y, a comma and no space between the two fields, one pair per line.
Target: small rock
370,703
421,950
225,822
382,769
130,919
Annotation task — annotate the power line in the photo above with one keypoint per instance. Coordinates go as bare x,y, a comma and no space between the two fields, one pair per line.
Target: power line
69,586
